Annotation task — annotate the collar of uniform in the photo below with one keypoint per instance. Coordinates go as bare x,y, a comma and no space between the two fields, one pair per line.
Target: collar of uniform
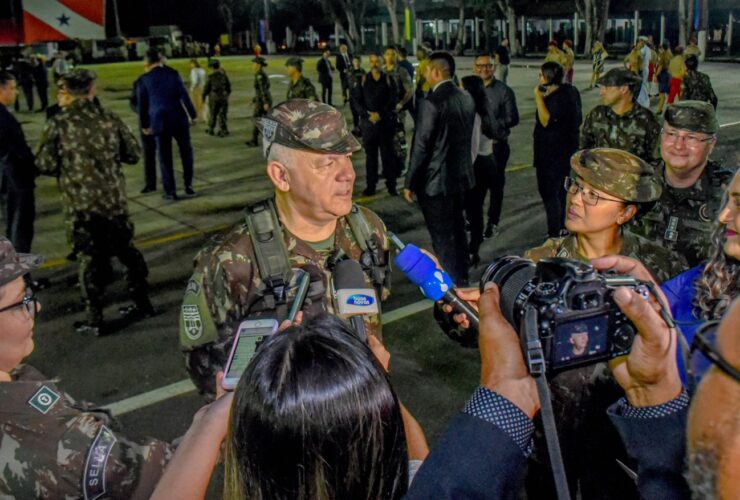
628,114
342,241
700,191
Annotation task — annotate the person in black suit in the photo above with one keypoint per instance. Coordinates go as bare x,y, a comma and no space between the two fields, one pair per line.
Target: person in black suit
17,169
165,111
344,66
440,170
325,69
41,79
148,142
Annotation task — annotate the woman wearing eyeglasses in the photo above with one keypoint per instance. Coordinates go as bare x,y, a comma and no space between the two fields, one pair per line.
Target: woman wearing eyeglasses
705,292
606,190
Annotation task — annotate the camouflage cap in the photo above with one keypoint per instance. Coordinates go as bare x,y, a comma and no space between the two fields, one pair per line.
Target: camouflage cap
308,125
78,80
618,77
296,62
694,116
617,173
260,60
14,265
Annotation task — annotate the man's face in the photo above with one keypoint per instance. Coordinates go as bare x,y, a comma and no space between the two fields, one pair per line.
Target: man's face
730,217
374,62
356,63
579,341
343,49
16,330
714,422
611,95
390,57
64,98
483,67
8,93
684,151
321,185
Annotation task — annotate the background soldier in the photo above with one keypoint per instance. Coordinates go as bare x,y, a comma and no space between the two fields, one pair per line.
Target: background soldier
696,85
693,185
308,160
300,87
83,147
217,90
619,122
78,443
404,94
354,78
262,100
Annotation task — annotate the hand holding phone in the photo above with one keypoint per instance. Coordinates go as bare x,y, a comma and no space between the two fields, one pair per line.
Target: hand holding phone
249,336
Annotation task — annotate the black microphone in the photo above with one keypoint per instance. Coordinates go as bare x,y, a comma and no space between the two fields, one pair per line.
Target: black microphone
354,298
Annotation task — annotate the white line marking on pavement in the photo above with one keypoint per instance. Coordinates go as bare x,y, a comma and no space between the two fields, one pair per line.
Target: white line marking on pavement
729,124
186,386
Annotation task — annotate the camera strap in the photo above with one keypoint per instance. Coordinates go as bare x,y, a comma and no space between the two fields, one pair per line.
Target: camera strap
536,364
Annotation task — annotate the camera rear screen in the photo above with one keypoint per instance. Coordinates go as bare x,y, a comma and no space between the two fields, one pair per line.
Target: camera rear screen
245,349
580,340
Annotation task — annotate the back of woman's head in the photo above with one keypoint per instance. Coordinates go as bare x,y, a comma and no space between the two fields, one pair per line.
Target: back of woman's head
552,72
314,417
474,85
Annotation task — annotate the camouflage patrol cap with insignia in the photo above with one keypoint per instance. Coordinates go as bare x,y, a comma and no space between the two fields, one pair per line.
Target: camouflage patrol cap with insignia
619,77
694,116
307,125
78,81
260,60
12,264
617,173
296,62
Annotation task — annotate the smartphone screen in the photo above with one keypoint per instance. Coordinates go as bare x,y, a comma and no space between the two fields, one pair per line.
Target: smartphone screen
247,342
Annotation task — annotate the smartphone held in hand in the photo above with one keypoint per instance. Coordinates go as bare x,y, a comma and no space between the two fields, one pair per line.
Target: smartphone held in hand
249,336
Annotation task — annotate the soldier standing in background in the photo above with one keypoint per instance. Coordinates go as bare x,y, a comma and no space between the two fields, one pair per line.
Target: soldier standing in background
300,87
262,100
693,185
404,94
217,90
619,122
696,85
83,147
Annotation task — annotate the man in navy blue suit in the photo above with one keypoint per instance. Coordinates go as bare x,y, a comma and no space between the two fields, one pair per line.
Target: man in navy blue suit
165,111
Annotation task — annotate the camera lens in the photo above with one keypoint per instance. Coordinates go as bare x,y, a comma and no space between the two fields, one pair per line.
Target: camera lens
511,274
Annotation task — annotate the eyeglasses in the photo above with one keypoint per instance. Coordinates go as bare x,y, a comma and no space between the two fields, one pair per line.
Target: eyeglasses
29,303
589,197
705,341
691,141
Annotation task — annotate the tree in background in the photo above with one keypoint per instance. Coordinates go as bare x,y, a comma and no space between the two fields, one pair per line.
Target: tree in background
348,15
391,6
595,13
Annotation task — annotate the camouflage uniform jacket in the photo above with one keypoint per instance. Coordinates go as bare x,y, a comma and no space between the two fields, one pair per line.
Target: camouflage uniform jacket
636,131
84,147
54,447
663,263
683,219
302,89
402,81
262,94
217,86
698,87
226,287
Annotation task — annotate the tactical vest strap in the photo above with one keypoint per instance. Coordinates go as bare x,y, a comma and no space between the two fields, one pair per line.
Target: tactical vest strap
372,259
271,254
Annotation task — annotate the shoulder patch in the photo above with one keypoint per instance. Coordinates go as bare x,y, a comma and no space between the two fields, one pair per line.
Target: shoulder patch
192,320
97,458
193,287
44,400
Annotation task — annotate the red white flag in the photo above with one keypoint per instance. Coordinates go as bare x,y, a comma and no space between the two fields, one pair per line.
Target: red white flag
54,20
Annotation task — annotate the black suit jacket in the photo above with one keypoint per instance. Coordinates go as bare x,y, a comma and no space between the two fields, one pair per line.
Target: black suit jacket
324,68
163,101
17,164
341,65
441,162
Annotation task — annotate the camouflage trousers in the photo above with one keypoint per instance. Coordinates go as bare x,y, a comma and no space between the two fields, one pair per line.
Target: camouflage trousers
399,140
95,240
218,109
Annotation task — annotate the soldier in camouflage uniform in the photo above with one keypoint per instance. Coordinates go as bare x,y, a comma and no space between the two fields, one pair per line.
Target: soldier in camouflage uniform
217,90
308,150
696,85
693,185
620,122
83,148
405,92
582,395
52,446
299,87
262,100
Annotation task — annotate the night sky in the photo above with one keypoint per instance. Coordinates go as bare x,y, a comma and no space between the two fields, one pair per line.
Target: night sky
198,18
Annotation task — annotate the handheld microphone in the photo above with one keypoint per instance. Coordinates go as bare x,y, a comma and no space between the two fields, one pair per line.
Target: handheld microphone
434,283
354,297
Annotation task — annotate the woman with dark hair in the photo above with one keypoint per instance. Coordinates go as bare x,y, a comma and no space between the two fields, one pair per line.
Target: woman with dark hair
483,164
705,292
556,132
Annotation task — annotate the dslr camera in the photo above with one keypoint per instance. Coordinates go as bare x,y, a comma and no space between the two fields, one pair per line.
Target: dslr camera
577,320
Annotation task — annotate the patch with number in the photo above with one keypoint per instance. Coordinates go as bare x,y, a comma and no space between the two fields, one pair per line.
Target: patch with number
44,400
97,458
192,321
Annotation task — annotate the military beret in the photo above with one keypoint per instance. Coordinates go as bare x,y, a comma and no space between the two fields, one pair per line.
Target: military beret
694,116
617,173
618,77
307,125
260,60
78,80
14,265
296,62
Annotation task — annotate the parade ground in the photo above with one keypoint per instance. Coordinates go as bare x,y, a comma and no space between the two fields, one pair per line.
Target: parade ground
137,370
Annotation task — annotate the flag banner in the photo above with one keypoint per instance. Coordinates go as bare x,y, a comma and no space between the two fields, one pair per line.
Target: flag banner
54,20
407,18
